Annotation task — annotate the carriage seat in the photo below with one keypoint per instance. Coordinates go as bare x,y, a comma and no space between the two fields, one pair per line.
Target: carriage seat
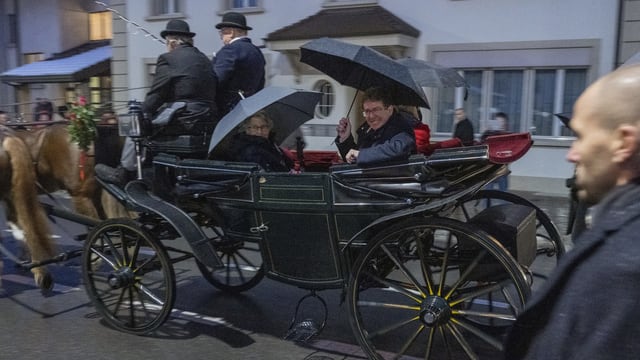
176,177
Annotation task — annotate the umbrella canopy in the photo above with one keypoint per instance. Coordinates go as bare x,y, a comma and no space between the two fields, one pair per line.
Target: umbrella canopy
362,67
428,74
565,118
288,108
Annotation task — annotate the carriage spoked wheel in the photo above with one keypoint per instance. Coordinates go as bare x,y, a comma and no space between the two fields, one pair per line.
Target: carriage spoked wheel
242,263
548,239
128,276
433,288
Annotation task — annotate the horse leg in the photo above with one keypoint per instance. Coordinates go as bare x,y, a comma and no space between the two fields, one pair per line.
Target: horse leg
28,212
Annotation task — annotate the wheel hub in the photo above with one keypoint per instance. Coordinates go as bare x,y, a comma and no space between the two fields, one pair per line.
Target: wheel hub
122,277
435,311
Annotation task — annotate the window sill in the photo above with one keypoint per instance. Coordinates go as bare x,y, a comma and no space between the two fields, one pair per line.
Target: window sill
249,10
164,17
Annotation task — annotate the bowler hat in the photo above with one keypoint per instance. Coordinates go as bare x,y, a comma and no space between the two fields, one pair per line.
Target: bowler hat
234,20
177,27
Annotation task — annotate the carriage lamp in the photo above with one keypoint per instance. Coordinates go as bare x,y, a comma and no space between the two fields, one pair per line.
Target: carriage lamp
131,123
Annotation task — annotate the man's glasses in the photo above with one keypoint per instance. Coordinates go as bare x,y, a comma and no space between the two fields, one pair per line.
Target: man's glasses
225,31
375,110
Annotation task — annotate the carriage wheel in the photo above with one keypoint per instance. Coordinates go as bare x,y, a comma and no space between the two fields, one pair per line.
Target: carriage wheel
242,263
549,241
423,287
128,276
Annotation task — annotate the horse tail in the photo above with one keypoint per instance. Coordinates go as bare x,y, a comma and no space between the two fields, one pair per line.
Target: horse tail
30,216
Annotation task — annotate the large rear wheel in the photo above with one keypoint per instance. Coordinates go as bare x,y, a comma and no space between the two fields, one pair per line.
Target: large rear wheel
433,288
128,276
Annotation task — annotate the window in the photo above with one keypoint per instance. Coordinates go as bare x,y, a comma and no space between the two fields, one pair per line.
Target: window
100,90
243,4
530,97
13,29
33,57
164,7
100,25
326,103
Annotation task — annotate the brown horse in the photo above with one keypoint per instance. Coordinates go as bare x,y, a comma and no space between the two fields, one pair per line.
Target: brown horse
18,190
46,160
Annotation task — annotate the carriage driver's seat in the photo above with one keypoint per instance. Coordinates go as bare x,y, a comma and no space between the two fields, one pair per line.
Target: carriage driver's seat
182,129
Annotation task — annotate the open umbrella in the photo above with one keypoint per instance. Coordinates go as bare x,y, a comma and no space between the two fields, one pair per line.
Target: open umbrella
362,67
428,74
565,118
288,108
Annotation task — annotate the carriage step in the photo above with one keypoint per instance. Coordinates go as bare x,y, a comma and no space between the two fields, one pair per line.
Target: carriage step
305,330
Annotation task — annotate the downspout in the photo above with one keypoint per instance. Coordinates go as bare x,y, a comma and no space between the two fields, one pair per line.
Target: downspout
618,46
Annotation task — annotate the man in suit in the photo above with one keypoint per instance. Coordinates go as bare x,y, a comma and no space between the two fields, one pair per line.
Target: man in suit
184,74
588,308
239,64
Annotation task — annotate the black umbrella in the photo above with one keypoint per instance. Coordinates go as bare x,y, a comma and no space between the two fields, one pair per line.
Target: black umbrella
288,108
428,74
565,118
362,67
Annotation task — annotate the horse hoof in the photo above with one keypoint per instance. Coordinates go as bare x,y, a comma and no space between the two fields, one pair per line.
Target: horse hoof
45,282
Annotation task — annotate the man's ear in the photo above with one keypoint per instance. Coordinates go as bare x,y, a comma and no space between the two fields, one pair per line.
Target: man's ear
626,142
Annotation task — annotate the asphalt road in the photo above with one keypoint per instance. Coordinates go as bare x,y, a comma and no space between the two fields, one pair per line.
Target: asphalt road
205,323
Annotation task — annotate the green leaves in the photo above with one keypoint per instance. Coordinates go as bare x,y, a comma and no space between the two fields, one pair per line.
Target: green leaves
82,126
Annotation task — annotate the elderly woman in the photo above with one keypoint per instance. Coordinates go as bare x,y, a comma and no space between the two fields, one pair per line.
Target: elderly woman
253,144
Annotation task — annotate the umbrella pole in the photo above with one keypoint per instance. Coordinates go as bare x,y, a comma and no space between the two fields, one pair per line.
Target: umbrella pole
352,102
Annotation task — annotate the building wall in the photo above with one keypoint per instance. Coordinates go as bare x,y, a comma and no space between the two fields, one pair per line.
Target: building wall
442,23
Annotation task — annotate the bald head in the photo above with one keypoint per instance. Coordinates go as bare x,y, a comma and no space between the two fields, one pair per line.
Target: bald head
606,121
614,98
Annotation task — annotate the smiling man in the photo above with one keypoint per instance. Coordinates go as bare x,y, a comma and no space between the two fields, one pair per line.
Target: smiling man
385,135
588,309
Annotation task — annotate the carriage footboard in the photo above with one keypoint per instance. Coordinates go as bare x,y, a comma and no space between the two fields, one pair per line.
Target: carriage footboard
184,225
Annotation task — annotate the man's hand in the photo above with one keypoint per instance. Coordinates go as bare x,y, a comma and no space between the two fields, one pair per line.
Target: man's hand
343,129
352,156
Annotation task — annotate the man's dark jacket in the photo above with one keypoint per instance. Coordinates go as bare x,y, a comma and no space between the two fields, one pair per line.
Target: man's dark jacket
464,131
589,307
239,65
183,74
395,140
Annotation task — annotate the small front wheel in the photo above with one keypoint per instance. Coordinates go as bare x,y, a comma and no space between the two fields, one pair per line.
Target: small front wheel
128,276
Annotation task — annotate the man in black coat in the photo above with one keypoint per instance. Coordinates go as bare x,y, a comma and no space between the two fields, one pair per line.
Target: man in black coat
385,135
463,129
588,308
184,74
239,64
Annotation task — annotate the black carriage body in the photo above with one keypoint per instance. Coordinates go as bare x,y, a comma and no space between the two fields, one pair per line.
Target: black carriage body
310,226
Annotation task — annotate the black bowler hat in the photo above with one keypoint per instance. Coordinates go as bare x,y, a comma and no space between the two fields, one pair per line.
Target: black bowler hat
234,20
177,27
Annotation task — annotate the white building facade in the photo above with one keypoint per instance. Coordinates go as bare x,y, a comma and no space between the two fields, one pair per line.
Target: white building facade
529,59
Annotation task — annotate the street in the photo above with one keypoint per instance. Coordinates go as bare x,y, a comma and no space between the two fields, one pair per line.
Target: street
205,322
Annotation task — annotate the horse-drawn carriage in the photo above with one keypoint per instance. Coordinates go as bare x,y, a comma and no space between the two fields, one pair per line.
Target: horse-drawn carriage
426,259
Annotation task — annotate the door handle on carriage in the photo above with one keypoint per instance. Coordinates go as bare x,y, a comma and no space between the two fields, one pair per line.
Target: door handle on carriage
260,228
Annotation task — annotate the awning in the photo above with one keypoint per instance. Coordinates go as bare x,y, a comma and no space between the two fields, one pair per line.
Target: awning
74,68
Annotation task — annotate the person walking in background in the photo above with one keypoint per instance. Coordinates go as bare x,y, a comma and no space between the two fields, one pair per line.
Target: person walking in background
587,309
501,128
239,65
463,128
4,117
